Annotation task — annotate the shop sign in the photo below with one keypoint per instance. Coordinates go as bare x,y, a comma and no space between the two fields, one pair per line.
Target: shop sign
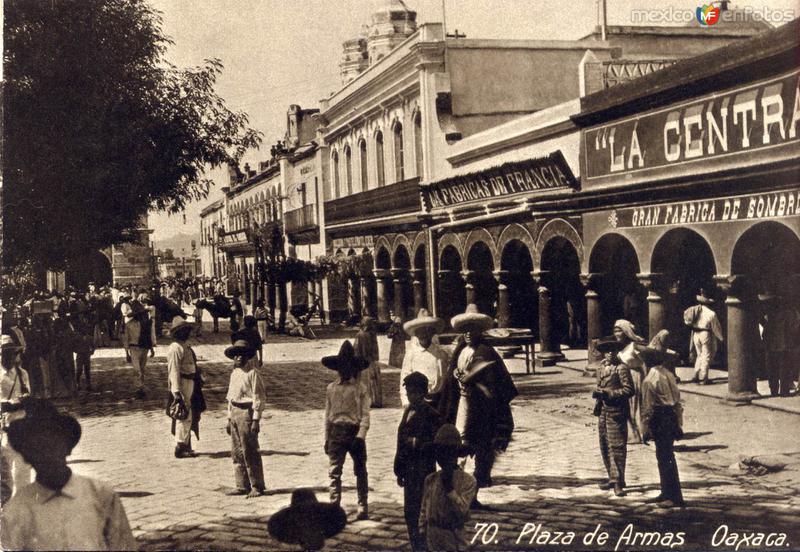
732,123
532,175
750,207
354,241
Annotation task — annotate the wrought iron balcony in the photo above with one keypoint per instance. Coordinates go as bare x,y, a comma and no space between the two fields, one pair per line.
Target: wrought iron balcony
300,220
394,199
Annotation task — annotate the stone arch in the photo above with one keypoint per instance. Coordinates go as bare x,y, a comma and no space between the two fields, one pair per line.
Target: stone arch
419,239
516,232
383,259
481,235
384,242
400,240
450,239
562,228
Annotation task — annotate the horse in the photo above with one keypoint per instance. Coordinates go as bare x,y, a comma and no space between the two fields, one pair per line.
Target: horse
219,308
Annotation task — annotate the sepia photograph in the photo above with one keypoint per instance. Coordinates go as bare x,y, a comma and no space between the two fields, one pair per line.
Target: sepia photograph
400,275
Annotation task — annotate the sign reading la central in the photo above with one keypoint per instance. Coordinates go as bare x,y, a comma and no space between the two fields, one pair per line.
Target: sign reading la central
510,178
734,122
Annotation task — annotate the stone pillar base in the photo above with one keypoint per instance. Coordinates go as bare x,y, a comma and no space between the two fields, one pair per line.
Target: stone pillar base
548,359
742,397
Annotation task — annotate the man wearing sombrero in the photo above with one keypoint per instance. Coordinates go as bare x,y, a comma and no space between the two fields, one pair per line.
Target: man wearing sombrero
185,383
347,404
477,392
60,510
661,402
781,323
14,388
246,401
706,335
424,356
613,391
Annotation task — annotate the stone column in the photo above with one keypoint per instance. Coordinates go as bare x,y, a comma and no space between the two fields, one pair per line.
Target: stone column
741,316
656,307
353,307
549,348
419,290
469,285
503,311
398,278
366,300
383,306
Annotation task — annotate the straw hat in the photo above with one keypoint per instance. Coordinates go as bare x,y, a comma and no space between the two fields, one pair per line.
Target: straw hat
239,347
346,358
177,323
703,298
41,416
423,320
306,520
7,343
650,356
471,318
609,344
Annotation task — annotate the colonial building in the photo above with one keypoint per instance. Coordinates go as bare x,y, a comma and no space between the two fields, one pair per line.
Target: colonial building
212,220
690,181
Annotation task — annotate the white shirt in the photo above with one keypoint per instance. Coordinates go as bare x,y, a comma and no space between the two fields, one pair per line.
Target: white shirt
246,386
14,384
84,515
703,318
431,362
348,403
180,360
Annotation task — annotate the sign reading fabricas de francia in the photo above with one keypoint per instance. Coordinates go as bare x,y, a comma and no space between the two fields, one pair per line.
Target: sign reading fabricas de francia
531,175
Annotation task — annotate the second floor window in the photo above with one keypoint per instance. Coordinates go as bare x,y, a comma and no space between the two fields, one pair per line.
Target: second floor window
379,159
348,167
362,153
418,143
335,175
399,169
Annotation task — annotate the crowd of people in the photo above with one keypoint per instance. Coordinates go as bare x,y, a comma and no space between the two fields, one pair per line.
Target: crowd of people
456,410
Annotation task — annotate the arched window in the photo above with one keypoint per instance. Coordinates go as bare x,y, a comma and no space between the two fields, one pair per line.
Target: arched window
362,152
335,179
418,142
399,169
348,167
379,159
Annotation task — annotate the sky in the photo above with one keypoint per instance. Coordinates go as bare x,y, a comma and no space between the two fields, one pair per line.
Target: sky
282,52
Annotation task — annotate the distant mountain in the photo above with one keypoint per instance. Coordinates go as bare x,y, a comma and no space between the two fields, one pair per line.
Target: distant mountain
179,242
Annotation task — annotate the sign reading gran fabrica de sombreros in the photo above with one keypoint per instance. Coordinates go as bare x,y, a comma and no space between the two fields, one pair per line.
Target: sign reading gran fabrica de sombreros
531,175
725,125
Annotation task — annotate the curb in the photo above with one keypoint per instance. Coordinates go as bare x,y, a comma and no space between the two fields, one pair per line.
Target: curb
777,408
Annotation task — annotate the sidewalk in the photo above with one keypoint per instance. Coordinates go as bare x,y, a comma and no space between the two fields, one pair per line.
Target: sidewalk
576,360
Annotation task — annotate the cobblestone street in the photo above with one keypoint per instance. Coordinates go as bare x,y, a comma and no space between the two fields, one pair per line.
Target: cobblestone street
548,476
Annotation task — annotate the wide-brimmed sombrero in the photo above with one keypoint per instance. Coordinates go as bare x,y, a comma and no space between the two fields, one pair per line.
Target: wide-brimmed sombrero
306,521
423,320
239,347
471,318
179,322
346,358
41,416
447,439
650,356
609,344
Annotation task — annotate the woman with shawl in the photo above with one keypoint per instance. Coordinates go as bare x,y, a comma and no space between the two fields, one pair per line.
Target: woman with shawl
625,332
366,346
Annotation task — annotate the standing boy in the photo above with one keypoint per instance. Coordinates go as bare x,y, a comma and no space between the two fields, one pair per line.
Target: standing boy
414,459
246,401
447,495
347,403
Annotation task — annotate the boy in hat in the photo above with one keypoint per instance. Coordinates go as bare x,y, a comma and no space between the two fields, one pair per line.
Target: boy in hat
60,510
447,495
706,335
614,388
14,388
477,394
660,416
347,403
414,460
246,401
250,334
306,521
424,356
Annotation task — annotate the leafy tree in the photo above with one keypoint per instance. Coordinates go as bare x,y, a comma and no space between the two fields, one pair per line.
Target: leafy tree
99,128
